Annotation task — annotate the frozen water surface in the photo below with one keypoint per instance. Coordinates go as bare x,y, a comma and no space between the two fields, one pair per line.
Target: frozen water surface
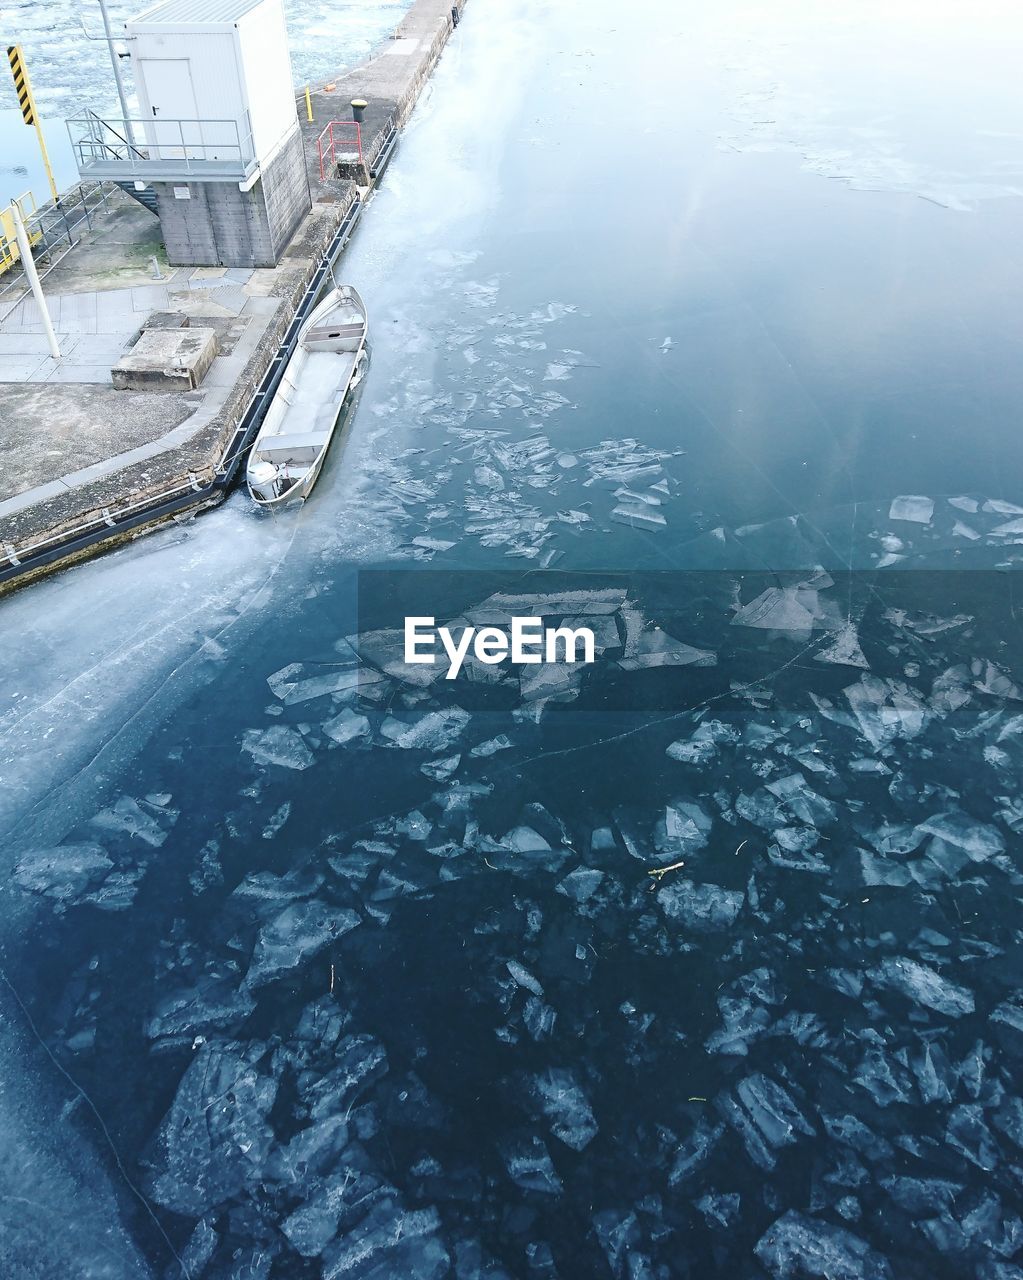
701,961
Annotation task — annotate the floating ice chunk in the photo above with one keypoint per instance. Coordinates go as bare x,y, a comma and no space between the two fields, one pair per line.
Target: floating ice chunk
798,1246
877,870
961,530
311,1151
990,678
118,890
977,840
922,1197
65,872
659,649
200,1247
1002,508
489,748
765,1116
359,1060
389,1241
558,372
347,726
684,829
567,1107
539,1018
743,1023
215,1138
345,680
277,820
280,745
432,544
844,651
530,1166
525,840
213,1004
854,1133
922,985
883,1078
440,769
436,731
968,1134
802,801
312,1226
638,515
618,1233
667,345
696,1151
523,977
294,936
964,504
127,815
886,710
581,884
912,508
722,1210
777,609
703,907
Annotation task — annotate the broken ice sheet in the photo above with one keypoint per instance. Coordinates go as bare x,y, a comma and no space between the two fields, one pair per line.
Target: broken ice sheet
530,1166
566,1106
702,907
216,1136
278,745
923,985
65,872
297,934
912,508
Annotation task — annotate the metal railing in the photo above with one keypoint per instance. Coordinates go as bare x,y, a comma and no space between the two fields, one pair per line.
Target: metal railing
173,148
339,143
52,232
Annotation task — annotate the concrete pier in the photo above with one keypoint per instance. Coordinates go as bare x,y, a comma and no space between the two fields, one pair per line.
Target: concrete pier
81,455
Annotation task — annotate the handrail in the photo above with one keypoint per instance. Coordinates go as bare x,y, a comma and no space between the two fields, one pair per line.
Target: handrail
106,124
331,148
173,143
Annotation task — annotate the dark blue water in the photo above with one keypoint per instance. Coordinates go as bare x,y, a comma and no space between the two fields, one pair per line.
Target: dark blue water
703,960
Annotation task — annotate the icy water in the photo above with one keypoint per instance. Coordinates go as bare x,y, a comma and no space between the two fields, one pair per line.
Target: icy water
70,69
700,961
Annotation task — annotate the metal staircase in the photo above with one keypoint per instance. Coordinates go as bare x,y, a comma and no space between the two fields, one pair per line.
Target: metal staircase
146,197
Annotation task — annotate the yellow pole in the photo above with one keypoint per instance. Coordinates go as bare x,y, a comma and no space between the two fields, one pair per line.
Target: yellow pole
308,104
46,162
29,112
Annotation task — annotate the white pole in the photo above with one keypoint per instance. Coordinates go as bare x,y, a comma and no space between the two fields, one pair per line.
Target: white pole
33,276
115,62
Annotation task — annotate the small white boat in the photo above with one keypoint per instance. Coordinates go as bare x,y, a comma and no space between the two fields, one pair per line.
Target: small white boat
329,361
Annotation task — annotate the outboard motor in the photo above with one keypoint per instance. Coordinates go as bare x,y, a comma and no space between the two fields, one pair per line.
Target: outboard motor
263,480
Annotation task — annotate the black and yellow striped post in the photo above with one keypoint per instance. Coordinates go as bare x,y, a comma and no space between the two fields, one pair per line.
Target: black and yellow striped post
27,103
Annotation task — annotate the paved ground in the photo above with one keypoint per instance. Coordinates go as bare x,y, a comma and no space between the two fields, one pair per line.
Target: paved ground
85,426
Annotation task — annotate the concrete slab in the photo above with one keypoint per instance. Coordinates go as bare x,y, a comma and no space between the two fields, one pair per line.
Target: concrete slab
166,360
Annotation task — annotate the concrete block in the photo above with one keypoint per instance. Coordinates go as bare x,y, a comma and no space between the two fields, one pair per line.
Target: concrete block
166,360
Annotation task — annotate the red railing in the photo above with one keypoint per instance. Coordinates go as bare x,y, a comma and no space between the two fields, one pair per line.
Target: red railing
340,141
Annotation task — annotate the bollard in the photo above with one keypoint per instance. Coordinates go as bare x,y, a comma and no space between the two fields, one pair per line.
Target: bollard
359,106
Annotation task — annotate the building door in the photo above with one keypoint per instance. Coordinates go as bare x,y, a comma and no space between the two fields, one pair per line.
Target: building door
168,86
